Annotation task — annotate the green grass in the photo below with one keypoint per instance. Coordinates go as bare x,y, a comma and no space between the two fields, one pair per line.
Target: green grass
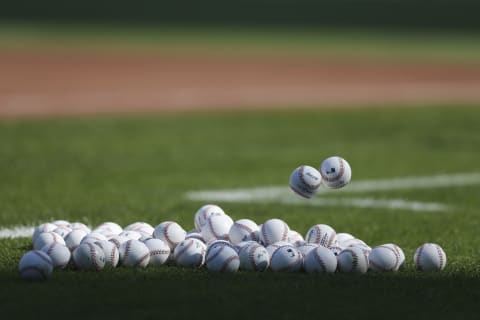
138,169
333,43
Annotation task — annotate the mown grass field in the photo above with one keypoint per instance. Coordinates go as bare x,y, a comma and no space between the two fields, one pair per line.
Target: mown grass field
139,169
347,43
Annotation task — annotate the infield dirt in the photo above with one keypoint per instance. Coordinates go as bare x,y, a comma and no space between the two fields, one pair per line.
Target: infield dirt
50,84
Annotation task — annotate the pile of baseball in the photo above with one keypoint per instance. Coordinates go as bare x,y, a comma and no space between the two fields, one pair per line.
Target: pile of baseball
217,243
222,245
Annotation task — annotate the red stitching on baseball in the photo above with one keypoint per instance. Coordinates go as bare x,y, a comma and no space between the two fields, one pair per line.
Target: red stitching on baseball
298,190
171,244
42,257
420,250
319,260
301,176
227,262
93,256
354,258
127,249
251,255
397,256
214,255
244,227
285,232
145,256
185,248
338,176
264,234
440,256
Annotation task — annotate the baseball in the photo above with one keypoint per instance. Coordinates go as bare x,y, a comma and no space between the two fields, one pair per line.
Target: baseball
35,265
142,227
305,181
336,172
254,256
222,258
274,246
321,234
306,248
400,254
130,234
88,256
217,227
110,251
61,223
295,237
170,232
108,229
321,260
62,231
81,226
243,230
134,253
274,230
58,253
74,238
384,259
190,253
343,236
44,227
430,257
195,235
204,213
93,237
47,238
287,259
352,260
159,251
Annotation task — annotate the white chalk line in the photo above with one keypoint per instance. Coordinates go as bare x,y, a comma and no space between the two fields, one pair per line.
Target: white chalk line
16,232
284,195
281,194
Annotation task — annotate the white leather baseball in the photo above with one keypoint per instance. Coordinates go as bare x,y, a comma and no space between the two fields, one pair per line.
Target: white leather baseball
222,258
134,253
88,256
305,181
204,213
243,230
217,227
47,238
190,253
254,256
274,230
159,251
430,257
110,250
352,260
35,265
93,237
274,246
320,260
321,234
336,172
58,253
384,259
170,232
74,238
286,259
44,227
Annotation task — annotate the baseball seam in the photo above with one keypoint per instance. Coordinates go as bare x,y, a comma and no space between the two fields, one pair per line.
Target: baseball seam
227,262
42,257
209,259
185,248
301,176
171,244
397,257
127,250
285,232
251,255
244,227
319,260
338,176
301,191
440,256
93,256
419,255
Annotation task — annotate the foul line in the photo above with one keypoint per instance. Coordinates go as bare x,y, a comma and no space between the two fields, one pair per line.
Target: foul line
284,195
16,232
